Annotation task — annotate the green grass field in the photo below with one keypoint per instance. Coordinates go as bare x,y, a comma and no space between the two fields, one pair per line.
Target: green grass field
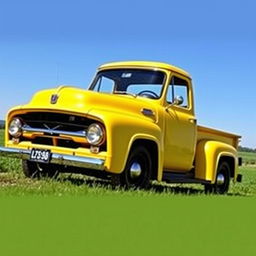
77,215
248,158
1,137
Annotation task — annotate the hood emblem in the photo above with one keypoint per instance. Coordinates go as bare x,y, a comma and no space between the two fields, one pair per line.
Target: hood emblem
54,98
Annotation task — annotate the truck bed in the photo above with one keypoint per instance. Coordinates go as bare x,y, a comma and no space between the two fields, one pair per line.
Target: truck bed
206,133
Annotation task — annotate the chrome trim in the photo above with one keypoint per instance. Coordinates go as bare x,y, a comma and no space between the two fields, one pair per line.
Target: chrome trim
135,170
220,179
62,159
178,100
29,129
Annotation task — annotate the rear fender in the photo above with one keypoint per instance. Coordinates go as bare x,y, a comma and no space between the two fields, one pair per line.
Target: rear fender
208,155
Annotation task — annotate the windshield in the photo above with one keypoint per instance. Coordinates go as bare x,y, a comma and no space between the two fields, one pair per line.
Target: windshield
137,82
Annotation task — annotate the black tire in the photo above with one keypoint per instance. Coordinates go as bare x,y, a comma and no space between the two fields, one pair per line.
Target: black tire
38,170
220,187
137,172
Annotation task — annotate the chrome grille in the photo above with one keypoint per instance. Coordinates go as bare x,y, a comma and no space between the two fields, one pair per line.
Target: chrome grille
56,121
49,131
62,130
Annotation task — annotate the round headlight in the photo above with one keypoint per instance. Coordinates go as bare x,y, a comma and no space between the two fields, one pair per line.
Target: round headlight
15,128
95,134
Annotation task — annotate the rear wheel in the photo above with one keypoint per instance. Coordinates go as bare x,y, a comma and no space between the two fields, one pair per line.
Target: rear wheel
137,171
38,170
221,184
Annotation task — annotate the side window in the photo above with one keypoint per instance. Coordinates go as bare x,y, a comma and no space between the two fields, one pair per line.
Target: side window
178,88
105,84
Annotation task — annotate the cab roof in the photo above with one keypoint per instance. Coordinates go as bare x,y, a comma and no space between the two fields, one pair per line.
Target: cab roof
151,64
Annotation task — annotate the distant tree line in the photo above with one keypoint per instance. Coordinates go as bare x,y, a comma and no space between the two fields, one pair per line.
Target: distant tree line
246,149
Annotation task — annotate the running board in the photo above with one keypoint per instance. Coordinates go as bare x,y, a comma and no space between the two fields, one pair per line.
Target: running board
174,177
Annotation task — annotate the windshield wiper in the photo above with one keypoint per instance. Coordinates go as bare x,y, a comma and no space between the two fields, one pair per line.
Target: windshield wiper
126,93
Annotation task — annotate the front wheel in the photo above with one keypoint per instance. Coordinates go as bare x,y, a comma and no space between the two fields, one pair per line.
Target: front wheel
221,184
38,170
137,171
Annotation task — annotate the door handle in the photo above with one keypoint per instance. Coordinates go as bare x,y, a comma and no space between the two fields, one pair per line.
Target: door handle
192,120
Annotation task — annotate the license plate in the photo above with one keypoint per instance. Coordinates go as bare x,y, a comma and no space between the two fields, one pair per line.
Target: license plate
40,155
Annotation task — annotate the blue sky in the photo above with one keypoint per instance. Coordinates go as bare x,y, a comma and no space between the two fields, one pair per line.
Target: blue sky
47,43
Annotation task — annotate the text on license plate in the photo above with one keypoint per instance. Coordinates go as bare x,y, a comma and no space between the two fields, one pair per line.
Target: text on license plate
40,155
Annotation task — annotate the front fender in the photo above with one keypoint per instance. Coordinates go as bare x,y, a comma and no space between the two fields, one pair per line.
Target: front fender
122,131
208,154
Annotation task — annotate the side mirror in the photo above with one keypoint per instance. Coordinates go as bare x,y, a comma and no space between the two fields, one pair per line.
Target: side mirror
178,100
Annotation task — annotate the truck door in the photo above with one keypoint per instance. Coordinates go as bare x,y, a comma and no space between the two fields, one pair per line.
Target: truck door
180,125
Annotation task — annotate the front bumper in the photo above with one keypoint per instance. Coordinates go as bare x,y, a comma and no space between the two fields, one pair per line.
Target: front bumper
61,159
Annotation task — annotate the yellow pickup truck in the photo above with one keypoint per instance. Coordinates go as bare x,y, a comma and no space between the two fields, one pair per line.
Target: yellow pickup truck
134,124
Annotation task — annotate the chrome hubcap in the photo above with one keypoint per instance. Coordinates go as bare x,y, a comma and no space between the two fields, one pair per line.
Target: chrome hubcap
135,170
220,179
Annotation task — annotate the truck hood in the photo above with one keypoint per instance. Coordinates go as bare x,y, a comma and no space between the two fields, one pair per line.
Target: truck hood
69,98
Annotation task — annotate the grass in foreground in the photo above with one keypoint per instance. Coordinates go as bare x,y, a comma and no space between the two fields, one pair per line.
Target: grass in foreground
78,216
121,225
14,183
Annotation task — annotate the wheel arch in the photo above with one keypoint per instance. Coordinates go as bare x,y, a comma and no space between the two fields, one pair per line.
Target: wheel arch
231,162
152,145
